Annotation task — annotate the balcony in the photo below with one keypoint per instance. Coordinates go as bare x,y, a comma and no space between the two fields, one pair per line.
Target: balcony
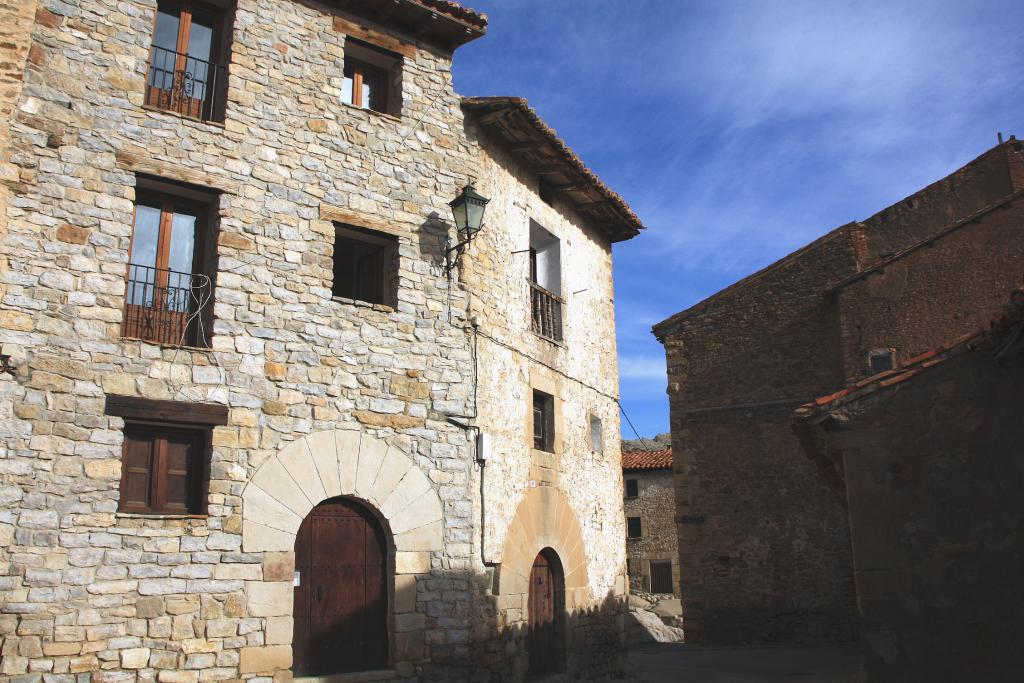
546,312
167,307
186,85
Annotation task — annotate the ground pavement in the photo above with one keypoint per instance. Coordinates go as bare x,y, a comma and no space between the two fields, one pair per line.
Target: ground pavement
665,662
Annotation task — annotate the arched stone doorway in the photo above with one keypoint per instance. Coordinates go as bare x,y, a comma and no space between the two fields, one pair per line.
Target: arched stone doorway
341,591
545,614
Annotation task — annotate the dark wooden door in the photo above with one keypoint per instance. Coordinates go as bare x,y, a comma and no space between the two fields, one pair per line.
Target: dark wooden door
542,637
341,596
661,576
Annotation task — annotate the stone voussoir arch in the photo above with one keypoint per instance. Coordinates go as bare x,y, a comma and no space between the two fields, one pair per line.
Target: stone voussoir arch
544,519
333,463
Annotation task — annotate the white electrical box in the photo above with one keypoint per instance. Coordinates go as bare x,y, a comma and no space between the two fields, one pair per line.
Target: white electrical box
483,447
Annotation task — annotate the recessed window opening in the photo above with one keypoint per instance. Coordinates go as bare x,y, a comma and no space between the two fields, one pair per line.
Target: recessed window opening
365,265
881,360
543,421
372,78
188,59
545,283
633,527
163,470
632,488
661,576
596,434
171,265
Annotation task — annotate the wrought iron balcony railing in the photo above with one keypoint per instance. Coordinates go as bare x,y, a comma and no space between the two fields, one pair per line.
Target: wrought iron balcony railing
546,311
167,307
186,85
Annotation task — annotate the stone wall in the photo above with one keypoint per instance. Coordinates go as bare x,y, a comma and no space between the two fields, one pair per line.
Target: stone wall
655,505
752,511
949,287
933,475
90,590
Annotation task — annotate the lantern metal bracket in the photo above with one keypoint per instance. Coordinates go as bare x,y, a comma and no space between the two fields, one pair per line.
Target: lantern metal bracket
449,249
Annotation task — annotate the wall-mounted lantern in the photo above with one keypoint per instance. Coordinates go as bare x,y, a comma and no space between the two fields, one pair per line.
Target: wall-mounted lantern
468,211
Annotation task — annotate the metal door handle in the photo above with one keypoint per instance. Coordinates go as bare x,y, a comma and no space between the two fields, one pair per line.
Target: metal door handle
319,593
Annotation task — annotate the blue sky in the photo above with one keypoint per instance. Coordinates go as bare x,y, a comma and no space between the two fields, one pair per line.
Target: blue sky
739,131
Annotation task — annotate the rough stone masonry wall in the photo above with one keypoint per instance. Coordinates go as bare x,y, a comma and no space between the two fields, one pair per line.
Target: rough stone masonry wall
752,512
933,479
655,505
89,590
581,373
764,550
954,286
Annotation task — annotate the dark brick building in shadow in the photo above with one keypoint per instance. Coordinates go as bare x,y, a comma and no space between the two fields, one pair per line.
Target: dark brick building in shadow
765,550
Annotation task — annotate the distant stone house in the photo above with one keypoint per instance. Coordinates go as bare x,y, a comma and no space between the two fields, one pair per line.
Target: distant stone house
764,545
649,500
269,413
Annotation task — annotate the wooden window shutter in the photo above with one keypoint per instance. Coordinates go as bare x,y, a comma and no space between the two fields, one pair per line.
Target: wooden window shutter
136,477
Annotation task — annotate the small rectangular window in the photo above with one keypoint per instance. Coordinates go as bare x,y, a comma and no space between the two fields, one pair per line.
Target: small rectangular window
661,576
596,434
372,78
543,421
632,488
163,469
365,265
633,528
881,361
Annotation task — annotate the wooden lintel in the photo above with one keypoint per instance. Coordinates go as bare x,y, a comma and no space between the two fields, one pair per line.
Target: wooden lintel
155,410
380,39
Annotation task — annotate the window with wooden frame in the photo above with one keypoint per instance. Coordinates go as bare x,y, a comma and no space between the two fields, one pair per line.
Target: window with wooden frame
170,275
188,59
365,265
372,78
543,421
165,467
545,281
634,528
632,488
163,470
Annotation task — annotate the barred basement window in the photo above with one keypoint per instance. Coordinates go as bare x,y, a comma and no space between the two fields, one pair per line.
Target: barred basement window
632,488
633,527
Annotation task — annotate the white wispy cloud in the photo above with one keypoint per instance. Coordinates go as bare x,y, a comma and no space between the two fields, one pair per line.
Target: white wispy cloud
642,367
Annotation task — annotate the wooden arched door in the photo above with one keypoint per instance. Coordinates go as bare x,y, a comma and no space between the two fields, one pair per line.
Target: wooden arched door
546,601
341,565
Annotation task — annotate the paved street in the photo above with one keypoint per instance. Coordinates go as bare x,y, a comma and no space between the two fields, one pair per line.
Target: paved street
664,662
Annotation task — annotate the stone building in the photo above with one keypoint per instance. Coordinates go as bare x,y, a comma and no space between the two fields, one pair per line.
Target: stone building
764,545
927,458
652,549
262,418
